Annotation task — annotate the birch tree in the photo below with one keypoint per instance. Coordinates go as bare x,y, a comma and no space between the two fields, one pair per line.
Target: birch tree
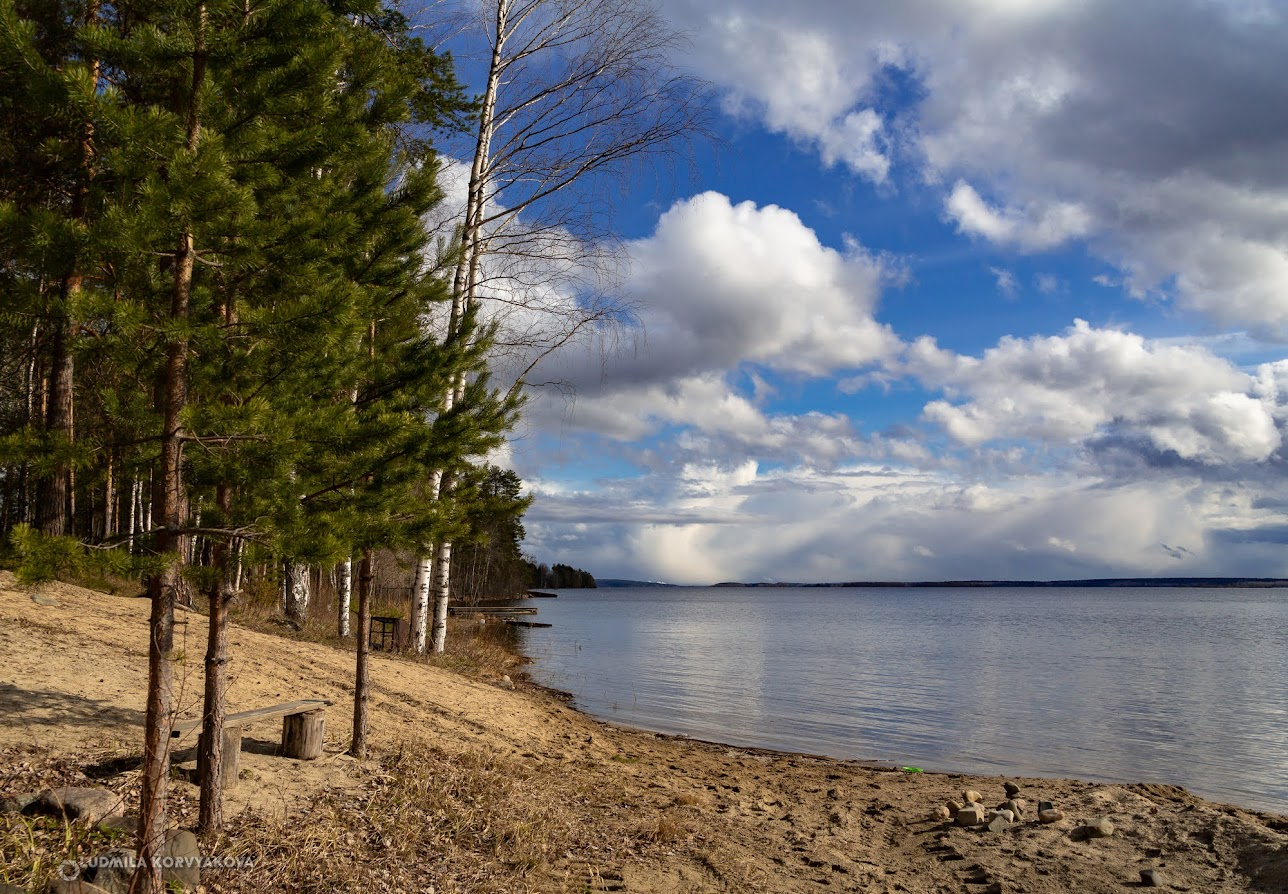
576,95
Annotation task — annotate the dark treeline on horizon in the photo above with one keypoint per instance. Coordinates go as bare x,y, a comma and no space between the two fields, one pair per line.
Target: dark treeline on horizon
560,577
1209,582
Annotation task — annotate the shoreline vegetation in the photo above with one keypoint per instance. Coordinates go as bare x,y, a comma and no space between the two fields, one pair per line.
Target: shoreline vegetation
479,781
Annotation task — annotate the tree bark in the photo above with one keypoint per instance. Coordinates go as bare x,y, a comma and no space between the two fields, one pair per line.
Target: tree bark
362,682
442,578
53,492
109,499
420,592
344,596
297,594
303,735
211,759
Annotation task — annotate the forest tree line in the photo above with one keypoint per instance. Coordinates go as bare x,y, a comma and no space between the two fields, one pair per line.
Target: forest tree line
559,577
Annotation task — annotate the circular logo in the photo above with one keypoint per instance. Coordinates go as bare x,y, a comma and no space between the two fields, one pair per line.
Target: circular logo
68,871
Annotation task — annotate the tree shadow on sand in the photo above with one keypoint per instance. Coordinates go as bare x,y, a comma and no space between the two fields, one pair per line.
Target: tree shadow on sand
36,708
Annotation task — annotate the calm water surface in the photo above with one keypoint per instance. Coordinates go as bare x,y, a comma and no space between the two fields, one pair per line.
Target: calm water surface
1164,685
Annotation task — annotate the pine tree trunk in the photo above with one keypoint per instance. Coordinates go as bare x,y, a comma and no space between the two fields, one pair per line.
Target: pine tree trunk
53,492
344,596
362,682
210,762
164,586
169,502
109,500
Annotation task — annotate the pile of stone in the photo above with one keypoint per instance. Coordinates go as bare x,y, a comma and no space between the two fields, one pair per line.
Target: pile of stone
109,872
970,812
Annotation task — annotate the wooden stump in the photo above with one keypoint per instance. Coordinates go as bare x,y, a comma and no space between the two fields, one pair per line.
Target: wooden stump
303,734
231,763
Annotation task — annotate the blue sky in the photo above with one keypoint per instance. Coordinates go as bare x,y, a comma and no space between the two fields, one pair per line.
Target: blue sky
968,289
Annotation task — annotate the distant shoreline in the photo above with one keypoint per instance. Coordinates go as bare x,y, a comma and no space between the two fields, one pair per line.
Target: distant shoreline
1105,582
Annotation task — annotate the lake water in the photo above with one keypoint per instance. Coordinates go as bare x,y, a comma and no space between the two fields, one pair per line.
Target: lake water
1181,686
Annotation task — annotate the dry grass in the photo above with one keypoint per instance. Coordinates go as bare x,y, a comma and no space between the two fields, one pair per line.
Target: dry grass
690,799
424,819
33,848
670,829
418,818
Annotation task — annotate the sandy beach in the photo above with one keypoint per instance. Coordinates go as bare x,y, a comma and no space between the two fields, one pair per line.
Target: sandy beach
612,809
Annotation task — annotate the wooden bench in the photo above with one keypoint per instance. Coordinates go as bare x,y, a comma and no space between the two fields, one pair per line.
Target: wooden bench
303,732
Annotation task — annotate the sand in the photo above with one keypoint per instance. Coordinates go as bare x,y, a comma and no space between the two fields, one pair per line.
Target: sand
72,677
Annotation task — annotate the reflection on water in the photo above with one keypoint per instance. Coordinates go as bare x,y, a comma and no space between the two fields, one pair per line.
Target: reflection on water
1167,685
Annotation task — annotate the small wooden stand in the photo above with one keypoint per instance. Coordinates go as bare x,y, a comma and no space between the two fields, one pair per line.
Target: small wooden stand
230,765
304,734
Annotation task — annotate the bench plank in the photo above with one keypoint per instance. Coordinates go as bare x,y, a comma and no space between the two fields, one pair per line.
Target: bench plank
245,717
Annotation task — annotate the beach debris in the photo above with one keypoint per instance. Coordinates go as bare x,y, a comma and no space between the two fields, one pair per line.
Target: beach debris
971,815
1152,878
506,682
912,769
1047,817
1011,789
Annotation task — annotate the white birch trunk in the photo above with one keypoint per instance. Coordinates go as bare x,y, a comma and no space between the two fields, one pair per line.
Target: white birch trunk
465,287
134,512
237,566
420,601
442,579
297,593
344,596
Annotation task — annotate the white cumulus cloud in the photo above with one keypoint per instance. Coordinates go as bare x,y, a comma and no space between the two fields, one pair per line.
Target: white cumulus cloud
1087,382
